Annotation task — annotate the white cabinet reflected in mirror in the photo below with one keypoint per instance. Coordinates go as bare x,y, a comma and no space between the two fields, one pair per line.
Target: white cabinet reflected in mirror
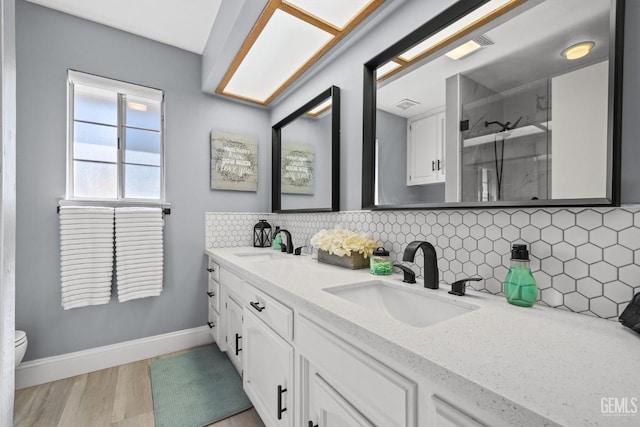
507,103
306,157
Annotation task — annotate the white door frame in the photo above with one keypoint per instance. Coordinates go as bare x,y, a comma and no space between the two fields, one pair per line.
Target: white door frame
7,209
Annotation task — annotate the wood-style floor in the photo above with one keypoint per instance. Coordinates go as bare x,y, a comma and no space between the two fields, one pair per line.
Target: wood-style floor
119,396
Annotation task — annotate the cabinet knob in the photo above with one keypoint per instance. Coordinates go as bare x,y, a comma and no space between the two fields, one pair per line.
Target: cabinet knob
256,305
311,424
211,270
211,325
211,294
280,408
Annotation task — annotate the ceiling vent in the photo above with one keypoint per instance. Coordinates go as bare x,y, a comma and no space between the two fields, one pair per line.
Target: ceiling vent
406,103
483,40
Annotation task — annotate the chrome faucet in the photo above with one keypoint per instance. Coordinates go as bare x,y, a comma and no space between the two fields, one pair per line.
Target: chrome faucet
289,245
431,273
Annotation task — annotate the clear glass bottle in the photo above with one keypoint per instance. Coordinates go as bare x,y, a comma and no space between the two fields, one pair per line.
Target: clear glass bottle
520,286
379,263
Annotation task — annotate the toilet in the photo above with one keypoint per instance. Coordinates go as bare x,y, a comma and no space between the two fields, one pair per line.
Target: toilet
21,346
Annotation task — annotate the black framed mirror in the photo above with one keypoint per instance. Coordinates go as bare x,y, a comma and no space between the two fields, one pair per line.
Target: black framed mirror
306,157
501,103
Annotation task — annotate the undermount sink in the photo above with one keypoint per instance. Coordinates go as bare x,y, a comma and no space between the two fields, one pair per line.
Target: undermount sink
414,307
260,255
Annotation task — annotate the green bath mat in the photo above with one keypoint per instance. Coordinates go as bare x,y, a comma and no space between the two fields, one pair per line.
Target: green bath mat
196,389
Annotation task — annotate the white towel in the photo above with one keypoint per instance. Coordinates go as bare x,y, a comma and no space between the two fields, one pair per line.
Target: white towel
139,252
86,255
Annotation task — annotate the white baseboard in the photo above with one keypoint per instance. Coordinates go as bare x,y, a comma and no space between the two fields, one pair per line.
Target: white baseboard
54,368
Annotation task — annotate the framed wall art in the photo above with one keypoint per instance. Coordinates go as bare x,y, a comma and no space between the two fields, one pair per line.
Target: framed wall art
234,161
298,168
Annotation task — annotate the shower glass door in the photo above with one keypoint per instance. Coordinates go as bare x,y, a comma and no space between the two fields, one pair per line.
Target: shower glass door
505,141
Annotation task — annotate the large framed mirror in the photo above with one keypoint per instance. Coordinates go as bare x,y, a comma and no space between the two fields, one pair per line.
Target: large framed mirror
504,103
306,157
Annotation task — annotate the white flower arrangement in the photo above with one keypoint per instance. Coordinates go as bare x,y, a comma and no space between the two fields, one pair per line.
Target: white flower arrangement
342,242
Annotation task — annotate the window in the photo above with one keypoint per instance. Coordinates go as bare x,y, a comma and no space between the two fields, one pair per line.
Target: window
115,140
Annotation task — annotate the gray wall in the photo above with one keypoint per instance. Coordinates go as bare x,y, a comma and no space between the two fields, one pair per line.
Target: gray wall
391,131
48,43
346,72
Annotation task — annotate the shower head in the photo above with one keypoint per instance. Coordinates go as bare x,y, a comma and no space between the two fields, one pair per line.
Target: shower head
505,126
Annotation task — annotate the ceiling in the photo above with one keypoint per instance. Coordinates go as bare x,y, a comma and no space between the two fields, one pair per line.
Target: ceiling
526,48
185,24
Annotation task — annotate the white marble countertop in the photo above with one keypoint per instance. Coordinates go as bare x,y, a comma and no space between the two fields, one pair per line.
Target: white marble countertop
532,366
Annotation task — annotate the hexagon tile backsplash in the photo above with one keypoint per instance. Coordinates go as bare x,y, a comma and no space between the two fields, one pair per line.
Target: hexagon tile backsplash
586,260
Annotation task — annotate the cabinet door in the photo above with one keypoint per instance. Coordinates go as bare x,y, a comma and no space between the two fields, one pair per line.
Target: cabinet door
425,160
233,328
331,409
268,372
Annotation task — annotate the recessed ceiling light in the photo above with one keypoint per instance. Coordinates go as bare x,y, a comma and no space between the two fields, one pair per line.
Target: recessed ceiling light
463,50
578,50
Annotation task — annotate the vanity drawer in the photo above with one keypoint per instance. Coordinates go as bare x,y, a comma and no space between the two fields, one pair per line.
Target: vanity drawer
230,281
213,293
214,270
278,316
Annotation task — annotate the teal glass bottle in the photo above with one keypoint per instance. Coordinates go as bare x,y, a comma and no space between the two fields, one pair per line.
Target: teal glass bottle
520,286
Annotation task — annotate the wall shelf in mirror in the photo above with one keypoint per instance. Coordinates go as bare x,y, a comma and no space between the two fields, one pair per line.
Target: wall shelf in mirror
306,157
483,104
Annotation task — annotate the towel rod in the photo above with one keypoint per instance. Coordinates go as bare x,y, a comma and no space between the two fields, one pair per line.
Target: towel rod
165,211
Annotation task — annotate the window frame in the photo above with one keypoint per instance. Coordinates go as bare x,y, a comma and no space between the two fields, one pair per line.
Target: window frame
122,90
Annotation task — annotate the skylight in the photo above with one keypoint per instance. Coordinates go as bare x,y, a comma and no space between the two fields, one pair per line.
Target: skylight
287,39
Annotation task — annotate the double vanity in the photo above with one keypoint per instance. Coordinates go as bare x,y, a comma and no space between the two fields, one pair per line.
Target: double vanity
322,345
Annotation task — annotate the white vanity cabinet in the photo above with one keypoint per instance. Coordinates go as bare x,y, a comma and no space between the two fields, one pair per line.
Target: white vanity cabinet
268,357
425,149
213,298
343,386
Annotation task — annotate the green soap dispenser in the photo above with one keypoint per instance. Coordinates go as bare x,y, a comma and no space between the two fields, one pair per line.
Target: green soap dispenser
277,239
520,287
